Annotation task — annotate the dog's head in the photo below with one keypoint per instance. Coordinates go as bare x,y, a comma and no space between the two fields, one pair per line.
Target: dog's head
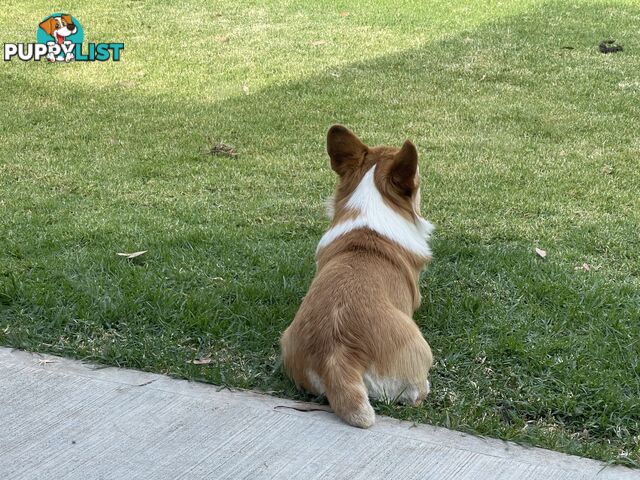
59,27
395,176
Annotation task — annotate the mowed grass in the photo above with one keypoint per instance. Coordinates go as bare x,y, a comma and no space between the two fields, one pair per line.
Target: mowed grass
524,143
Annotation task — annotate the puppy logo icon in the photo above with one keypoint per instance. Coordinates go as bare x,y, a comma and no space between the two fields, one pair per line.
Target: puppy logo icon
63,30
59,38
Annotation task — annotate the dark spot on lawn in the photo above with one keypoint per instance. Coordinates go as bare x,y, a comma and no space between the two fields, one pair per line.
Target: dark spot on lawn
222,149
609,46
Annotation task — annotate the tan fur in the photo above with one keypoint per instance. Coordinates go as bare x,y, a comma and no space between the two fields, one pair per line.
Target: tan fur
356,319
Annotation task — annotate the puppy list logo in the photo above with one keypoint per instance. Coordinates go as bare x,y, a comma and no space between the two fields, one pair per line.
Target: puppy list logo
59,39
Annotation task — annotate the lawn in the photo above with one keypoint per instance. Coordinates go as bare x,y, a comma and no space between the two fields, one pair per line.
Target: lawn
528,135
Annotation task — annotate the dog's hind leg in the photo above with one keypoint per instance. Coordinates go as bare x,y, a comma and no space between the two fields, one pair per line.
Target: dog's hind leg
346,392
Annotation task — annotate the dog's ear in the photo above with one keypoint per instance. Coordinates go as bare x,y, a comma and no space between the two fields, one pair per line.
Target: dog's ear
68,20
404,166
48,25
345,149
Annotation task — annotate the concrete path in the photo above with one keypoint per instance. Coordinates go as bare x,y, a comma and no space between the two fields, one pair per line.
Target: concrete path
61,419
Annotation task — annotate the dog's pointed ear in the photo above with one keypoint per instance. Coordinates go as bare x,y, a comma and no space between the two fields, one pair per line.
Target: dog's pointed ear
403,169
345,149
48,25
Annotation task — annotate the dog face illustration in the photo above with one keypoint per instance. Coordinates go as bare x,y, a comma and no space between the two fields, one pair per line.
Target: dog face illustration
59,27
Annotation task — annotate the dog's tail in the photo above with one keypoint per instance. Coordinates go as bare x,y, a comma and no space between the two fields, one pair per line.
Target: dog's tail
346,391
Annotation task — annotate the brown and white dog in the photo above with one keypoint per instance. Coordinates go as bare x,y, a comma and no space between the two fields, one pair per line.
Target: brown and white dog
59,28
353,336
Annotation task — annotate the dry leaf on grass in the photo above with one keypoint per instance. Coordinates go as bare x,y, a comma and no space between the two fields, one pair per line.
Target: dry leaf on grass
222,149
132,255
222,38
344,14
607,169
541,253
201,361
585,266
318,43
245,89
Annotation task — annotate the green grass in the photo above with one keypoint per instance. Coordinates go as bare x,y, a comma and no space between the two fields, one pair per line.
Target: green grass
524,144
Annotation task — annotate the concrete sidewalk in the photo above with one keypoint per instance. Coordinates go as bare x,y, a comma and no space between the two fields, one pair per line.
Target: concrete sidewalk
61,419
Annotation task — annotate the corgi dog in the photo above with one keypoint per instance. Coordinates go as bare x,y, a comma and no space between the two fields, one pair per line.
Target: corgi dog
353,336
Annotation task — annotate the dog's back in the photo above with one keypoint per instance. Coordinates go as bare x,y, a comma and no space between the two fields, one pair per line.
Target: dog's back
353,336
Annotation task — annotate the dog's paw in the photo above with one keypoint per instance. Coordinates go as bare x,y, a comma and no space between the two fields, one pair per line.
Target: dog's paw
364,417
421,396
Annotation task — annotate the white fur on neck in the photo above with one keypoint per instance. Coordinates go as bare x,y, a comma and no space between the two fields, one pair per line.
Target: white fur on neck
376,215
